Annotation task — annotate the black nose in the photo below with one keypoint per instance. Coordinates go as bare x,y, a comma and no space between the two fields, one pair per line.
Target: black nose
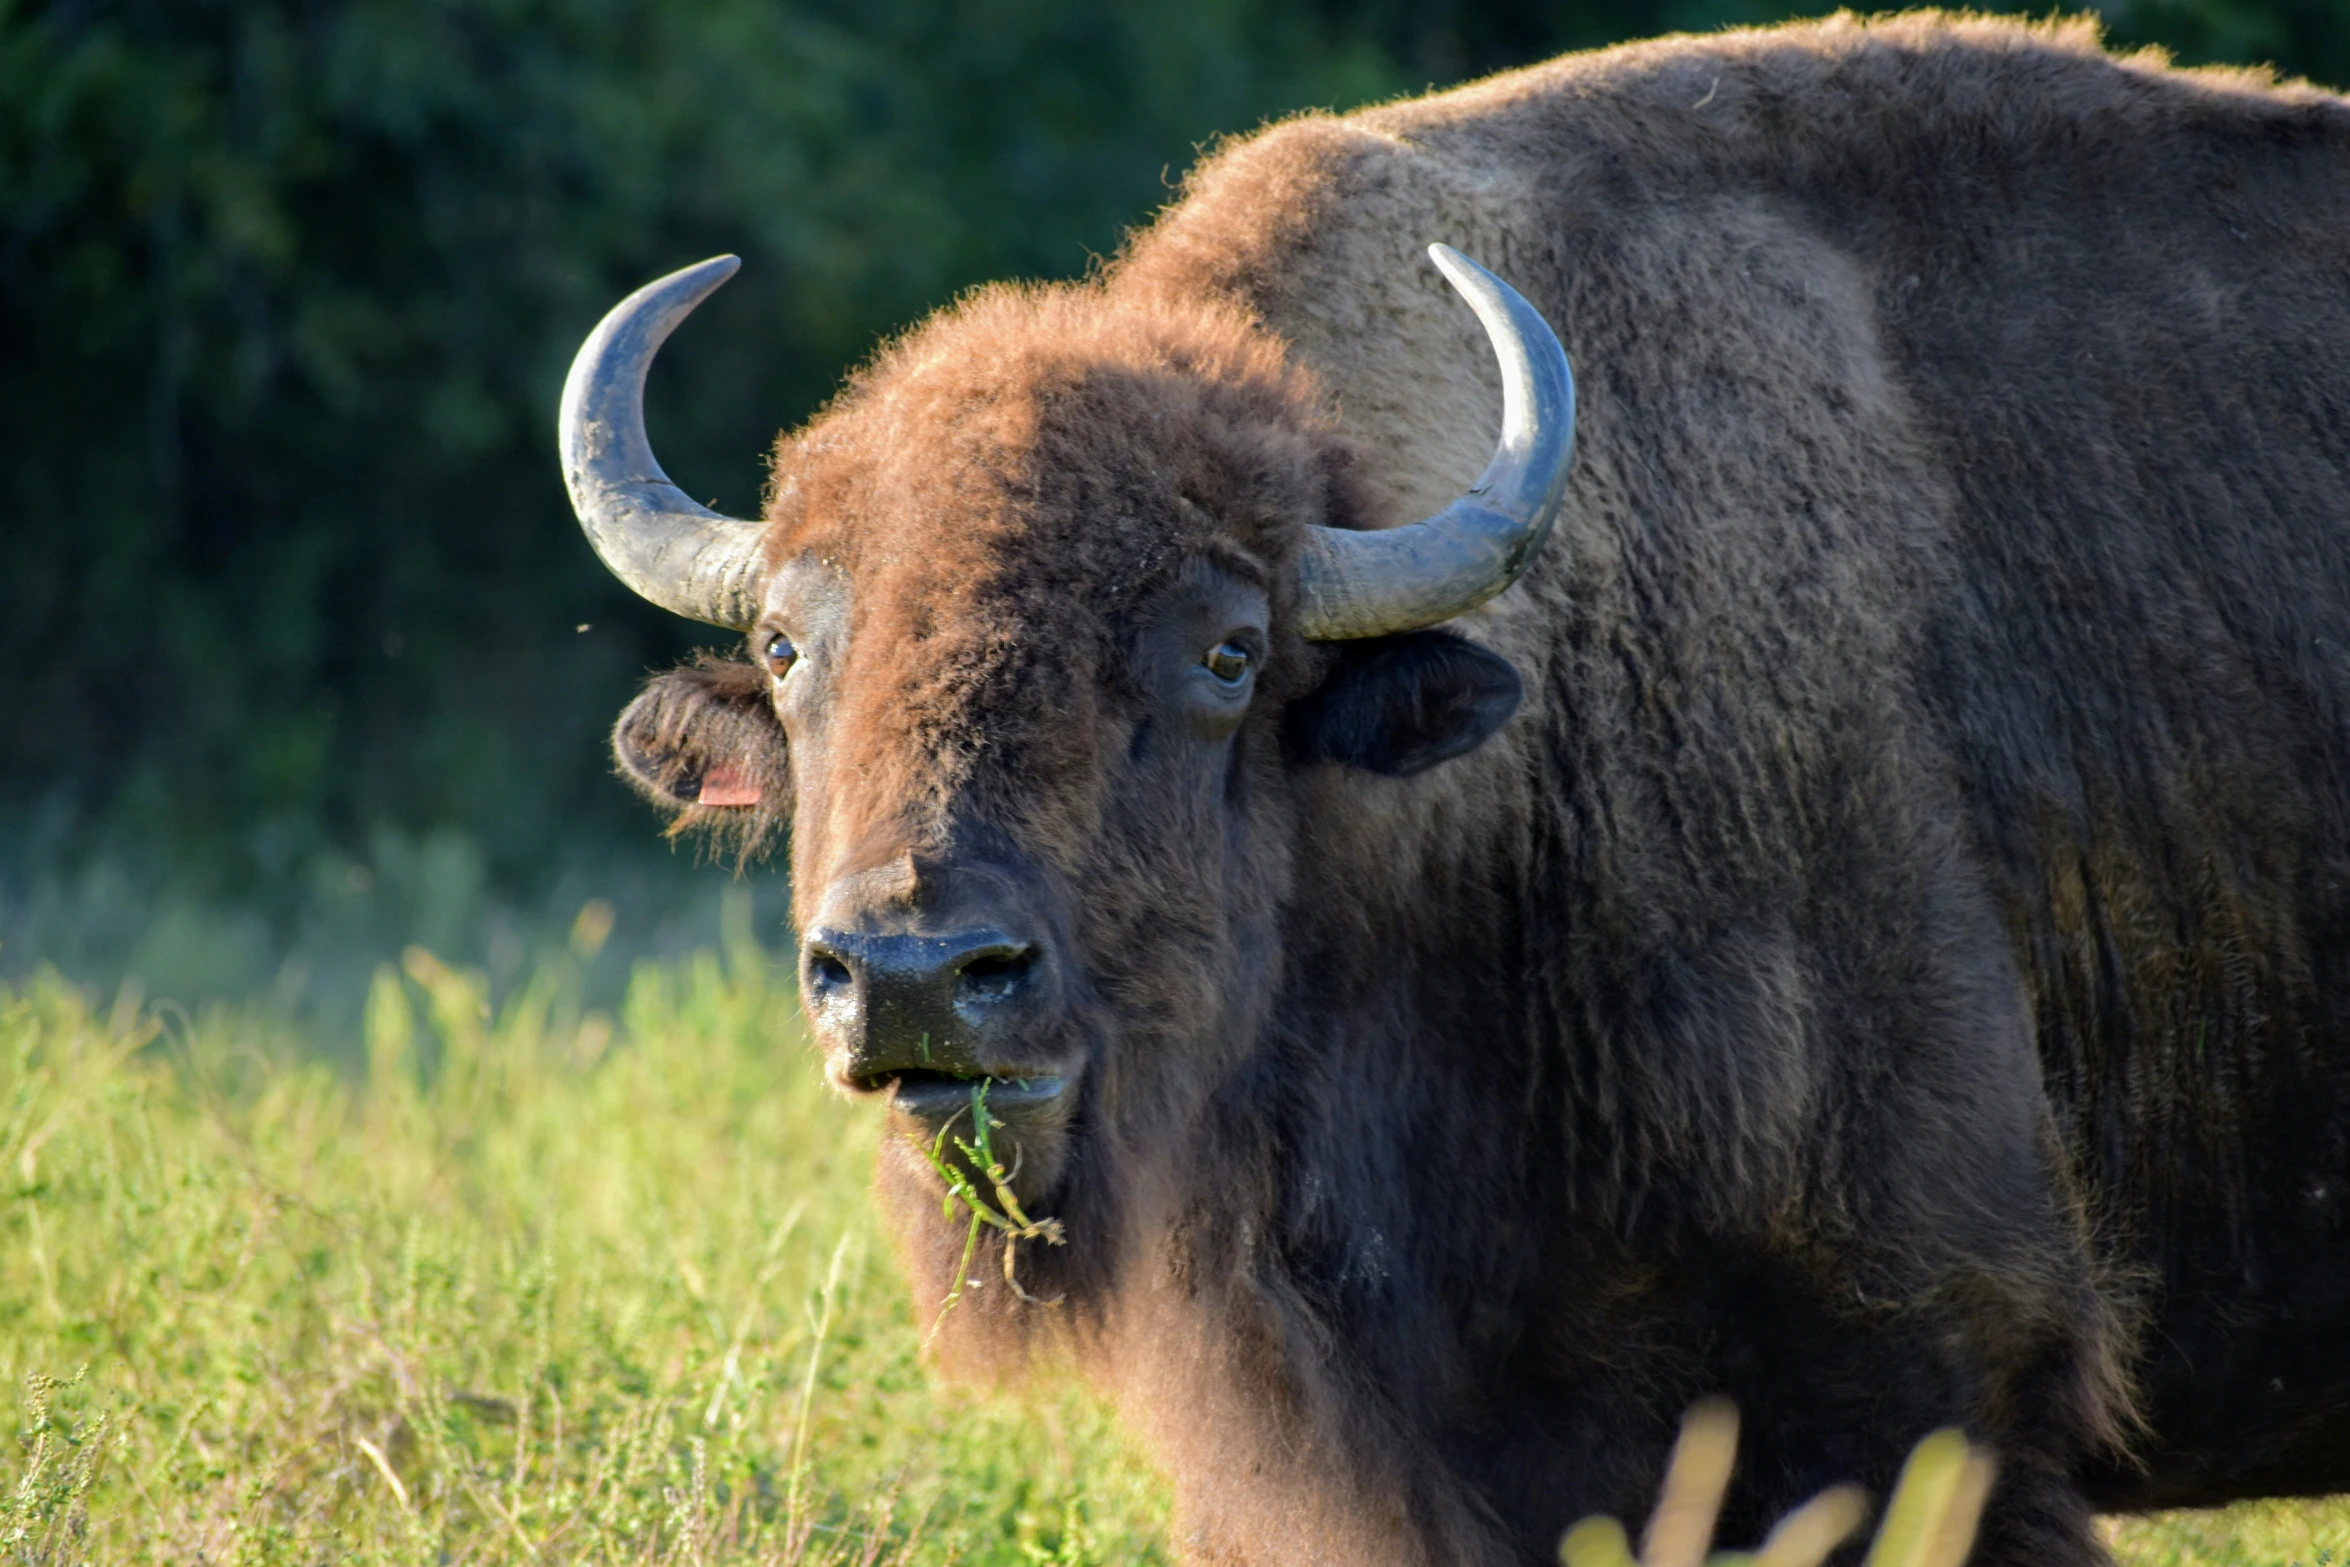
890,1004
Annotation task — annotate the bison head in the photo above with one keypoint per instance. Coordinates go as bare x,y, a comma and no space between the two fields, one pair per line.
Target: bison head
1047,616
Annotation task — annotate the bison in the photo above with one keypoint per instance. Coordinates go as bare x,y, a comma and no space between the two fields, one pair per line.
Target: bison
1858,921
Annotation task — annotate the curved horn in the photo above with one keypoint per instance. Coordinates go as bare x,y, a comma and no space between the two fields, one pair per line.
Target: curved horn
1376,583
686,558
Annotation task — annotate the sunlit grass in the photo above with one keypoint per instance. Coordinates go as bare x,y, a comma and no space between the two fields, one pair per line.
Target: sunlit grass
546,1285
540,1284
2270,1534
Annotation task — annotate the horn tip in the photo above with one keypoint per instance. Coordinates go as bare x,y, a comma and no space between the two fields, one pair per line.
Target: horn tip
697,282
1463,272
705,276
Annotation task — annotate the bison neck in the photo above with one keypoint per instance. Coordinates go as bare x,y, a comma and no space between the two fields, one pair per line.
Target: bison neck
1525,1164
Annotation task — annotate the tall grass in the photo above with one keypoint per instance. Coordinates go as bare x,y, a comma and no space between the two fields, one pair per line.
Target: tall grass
545,1285
537,1283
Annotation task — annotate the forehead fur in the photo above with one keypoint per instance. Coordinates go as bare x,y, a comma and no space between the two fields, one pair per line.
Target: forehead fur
1062,435
1001,486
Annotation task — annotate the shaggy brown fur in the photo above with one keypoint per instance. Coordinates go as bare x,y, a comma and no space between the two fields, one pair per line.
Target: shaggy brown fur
1891,970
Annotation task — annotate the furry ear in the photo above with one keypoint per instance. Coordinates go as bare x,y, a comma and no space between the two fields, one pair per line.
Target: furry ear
702,744
1399,705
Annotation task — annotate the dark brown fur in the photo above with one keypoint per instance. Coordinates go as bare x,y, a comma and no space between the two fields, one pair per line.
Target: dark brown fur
1891,970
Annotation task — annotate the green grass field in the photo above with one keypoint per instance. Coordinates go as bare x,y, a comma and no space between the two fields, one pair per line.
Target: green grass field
537,1284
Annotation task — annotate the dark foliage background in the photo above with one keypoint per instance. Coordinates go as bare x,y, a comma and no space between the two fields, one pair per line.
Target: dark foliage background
287,288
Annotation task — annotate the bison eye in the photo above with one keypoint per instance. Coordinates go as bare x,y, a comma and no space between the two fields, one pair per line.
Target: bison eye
780,654
1227,661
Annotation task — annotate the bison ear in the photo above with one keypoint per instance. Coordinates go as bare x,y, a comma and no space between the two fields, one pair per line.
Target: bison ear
1399,705
702,744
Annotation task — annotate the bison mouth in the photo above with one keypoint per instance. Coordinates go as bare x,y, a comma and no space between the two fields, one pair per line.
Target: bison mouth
1028,1119
936,1099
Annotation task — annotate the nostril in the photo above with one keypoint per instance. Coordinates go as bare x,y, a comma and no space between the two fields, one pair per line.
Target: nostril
826,971
994,974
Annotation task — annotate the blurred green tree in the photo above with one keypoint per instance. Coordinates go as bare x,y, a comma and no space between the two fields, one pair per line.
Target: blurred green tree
287,288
